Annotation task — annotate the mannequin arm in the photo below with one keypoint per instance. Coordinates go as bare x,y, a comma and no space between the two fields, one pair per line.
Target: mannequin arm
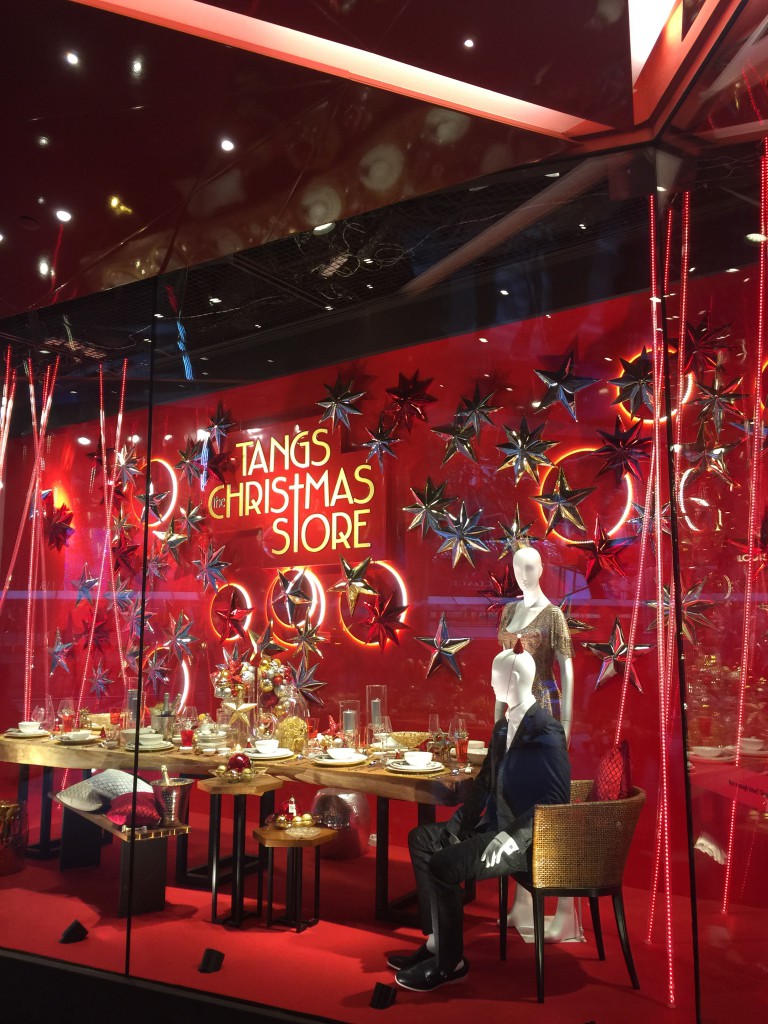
498,847
566,689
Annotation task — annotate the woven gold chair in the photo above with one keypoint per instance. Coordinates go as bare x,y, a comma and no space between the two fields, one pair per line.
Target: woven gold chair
579,849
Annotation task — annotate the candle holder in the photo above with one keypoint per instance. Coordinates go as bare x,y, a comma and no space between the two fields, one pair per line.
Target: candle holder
375,703
349,722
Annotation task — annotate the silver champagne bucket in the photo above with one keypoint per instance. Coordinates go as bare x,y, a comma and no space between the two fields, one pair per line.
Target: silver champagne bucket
172,801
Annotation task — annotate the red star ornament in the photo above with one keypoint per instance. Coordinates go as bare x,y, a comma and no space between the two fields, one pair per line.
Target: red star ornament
408,400
383,621
602,552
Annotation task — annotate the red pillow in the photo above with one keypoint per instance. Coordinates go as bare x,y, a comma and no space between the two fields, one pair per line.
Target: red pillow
146,812
613,779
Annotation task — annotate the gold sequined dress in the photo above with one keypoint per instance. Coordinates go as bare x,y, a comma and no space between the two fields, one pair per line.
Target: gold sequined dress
545,637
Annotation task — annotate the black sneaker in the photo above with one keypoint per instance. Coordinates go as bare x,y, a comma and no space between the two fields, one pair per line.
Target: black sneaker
425,977
402,961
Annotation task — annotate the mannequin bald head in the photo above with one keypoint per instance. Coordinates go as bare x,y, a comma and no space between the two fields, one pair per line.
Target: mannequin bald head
527,567
512,677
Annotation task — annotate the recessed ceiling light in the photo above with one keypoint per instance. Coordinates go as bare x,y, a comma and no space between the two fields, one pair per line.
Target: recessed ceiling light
214,300
227,145
205,373
158,316
732,270
329,307
71,58
757,236
469,43
270,360
45,351
583,227
258,326
367,260
503,291
73,391
483,340
2,237
137,66
660,188
42,140
40,200
84,441
369,286
64,216
44,267
203,359
323,229
168,437
552,174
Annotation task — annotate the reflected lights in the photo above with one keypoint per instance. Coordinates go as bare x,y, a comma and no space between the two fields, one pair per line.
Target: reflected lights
71,58
503,291
2,237
64,216
647,19
757,236
118,205
323,229
137,66
42,140
227,145
84,441
44,267
469,43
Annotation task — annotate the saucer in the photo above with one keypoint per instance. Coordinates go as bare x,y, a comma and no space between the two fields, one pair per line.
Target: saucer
280,754
401,768
78,740
165,745
16,734
335,762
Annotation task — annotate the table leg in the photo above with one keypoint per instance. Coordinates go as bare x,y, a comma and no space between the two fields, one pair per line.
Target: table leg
316,913
382,856
238,862
214,844
298,871
46,847
270,884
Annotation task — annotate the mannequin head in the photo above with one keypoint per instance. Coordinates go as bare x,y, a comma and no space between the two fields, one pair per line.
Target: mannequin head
512,677
527,568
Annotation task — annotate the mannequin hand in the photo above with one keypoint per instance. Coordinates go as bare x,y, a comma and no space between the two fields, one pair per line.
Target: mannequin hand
499,846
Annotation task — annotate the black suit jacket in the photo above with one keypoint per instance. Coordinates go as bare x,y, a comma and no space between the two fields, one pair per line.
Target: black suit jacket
535,770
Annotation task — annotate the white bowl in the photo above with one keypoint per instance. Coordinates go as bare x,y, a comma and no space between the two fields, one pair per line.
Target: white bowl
342,753
418,758
265,746
706,751
749,744
477,756
475,745
29,727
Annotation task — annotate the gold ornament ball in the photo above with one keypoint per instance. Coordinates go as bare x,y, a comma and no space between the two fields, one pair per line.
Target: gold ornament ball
281,821
266,686
306,819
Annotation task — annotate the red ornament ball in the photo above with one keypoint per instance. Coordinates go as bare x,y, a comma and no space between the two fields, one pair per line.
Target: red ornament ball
238,762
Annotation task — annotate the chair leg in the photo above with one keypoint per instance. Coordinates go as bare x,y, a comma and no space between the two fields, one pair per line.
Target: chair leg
594,906
538,932
503,897
621,925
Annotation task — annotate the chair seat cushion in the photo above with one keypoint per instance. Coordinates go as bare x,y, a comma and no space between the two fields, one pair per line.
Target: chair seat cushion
82,797
613,779
113,783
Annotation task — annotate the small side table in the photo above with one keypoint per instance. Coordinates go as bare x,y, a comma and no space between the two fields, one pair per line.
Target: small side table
240,791
295,840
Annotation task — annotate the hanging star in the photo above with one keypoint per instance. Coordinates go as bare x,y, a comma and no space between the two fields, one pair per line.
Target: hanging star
127,466
171,541
560,504
747,427
602,552
563,386
131,658
59,653
462,535
232,619
305,682
614,657
190,519
408,400
339,405
181,639
430,508
525,451
574,625
218,463
692,611
122,595
381,443
477,410
155,670
635,384
353,583
293,594
515,536
59,529
210,568
623,450
100,633
636,521
460,436
704,345
220,424
84,586
154,499
717,400
307,639
707,456
133,618
100,681
190,463
122,528
445,648
501,591
383,621
264,645
97,456
157,568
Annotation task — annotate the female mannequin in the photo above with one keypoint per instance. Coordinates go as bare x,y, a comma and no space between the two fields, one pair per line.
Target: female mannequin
535,625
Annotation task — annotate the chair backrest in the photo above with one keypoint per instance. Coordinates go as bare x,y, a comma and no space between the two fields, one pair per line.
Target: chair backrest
583,845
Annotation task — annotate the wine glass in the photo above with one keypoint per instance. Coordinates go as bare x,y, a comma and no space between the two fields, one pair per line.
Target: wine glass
188,716
38,715
460,736
66,714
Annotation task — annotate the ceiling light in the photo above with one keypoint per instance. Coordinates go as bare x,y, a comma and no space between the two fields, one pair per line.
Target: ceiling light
84,441
367,260
45,351
270,360
583,227
660,188
158,316
44,267
214,300
227,145
2,237
732,270
137,67
691,269
757,236
40,200
71,58
64,216
42,140
469,43
503,291
329,307
203,359
552,174
483,340
257,326
205,373
323,229
369,286
73,391
168,437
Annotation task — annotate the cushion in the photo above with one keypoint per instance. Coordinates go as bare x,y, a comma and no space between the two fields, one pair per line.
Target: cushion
83,797
112,783
613,779
146,812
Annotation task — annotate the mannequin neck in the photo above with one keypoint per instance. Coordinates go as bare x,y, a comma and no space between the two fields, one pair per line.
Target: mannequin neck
519,708
535,598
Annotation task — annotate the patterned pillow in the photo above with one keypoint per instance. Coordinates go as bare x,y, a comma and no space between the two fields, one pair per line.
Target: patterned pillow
146,812
613,779
112,783
83,797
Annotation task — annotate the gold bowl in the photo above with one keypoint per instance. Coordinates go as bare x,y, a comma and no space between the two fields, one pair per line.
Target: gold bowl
409,740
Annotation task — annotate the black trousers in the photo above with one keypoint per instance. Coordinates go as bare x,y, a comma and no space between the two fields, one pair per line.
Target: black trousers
440,871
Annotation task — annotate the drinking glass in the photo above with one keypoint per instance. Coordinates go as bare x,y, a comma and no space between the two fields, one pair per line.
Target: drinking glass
460,736
188,715
433,727
379,733
66,714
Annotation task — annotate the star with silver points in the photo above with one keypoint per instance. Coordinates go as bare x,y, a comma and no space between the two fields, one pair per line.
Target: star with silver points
305,682
623,450
613,655
59,653
636,521
96,632
293,594
353,583
563,386
635,384
265,645
574,625
127,466
602,552
154,499
525,451
501,591
717,402
692,608
339,405
181,639
131,659
383,621
133,619
190,463
381,443
408,400
211,568
445,648
560,504
708,456
460,435
171,541
84,586
462,535
155,670
157,568
477,410
704,345
220,424
307,639
100,681
122,595
190,519
430,509
121,527
516,535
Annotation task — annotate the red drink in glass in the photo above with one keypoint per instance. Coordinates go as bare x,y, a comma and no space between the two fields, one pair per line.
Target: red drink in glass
187,737
462,746
67,720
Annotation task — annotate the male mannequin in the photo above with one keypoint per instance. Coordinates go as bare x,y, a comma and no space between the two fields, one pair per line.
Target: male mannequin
527,764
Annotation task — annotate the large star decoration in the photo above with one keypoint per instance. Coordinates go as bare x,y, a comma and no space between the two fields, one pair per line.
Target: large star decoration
122,595
525,451
59,528
563,386
408,400
181,639
84,586
127,466
623,450
190,463
381,443
100,629
190,519
353,583
501,591
339,405
637,519
307,640
218,463
560,504
100,681
692,608
717,401
154,499
220,424
430,508
210,568
294,596
171,541
460,435
383,621
635,384
602,552
264,645
515,535
574,625
157,568
155,670
305,682
708,456
477,410
133,618
59,653
704,345
122,528
445,648
613,655
463,535
232,618
124,554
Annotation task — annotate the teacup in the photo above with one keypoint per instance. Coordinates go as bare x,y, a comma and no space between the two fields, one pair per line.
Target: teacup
265,746
749,744
418,758
342,753
29,727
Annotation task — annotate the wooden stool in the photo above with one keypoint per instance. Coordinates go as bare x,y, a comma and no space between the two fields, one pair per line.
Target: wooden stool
295,840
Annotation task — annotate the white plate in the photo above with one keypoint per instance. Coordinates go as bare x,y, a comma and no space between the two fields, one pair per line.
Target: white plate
400,767
66,742
166,745
281,752
335,762
707,753
17,734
